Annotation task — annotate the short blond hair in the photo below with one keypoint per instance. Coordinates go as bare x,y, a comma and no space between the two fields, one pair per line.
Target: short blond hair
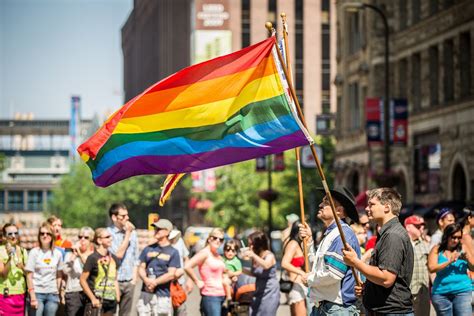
86,230
213,232
387,196
98,233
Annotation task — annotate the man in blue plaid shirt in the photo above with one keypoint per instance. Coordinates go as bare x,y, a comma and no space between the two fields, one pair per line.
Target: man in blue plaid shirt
125,247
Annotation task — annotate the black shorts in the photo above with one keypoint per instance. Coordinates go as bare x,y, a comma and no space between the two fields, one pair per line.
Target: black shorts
108,306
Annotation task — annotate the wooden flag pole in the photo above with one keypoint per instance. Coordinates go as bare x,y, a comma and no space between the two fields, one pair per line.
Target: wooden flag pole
318,164
297,150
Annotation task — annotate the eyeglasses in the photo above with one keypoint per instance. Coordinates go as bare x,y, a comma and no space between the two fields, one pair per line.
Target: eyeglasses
85,237
45,234
217,238
455,237
12,234
366,223
230,249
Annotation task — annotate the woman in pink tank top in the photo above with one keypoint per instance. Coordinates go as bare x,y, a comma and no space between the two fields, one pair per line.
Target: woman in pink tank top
211,269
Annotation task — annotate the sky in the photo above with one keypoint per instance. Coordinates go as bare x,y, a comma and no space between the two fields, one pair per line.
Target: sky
53,49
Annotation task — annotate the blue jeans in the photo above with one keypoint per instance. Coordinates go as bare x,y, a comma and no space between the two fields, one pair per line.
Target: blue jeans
212,305
329,308
452,304
47,305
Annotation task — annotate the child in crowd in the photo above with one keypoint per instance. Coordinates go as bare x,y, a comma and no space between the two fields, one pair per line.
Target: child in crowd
233,266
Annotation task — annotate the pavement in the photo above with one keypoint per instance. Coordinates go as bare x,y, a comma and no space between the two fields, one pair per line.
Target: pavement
194,299
192,305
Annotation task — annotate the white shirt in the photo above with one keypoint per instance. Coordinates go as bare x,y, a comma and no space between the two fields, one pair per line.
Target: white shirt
44,264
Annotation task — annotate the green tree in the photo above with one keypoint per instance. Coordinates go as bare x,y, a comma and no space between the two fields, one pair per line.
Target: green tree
79,202
236,201
287,183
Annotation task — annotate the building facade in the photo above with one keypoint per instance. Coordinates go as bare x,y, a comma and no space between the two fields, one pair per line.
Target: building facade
36,153
431,66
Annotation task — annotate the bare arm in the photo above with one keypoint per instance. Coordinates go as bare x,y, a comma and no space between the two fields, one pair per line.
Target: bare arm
117,291
165,278
87,289
433,265
374,274
5,268
124,245
266,263
189,266
290,251
31,289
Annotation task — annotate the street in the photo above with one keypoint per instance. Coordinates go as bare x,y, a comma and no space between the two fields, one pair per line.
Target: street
192,303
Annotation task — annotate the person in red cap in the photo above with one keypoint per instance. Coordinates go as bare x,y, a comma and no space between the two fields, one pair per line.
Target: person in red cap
419,285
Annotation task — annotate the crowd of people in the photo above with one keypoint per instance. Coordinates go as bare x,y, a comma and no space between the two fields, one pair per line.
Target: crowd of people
380,267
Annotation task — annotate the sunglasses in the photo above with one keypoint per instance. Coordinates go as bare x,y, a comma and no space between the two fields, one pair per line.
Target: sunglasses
217,238
366,223
12,234
230,249
45,234
419,226
85,237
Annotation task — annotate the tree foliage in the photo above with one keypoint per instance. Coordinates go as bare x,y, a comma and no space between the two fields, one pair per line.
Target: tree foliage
80,203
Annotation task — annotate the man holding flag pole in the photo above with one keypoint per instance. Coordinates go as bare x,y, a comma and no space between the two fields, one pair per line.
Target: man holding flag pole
330,280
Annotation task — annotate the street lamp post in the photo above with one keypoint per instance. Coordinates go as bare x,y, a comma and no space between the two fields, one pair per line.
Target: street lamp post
355,6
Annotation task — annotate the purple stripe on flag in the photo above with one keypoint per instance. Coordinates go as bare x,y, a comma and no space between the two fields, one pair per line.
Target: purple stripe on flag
188,163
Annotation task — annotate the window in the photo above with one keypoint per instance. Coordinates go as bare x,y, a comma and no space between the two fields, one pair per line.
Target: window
416,11
2,200
299,47
403,14
15,201
245,23
339,127
354,106
427,163
465,61
35,200
448,79
416,81
434,75
354,33
402,75
326,65
325,6
433,7
272,13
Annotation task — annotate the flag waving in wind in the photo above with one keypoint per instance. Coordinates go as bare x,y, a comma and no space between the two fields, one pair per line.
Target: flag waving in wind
229,109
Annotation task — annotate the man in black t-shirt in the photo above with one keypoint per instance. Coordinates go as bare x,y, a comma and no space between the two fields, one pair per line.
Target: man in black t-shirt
158,263
387,289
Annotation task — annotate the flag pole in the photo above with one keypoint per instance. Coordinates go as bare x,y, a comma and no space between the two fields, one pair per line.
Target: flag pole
318,164
297,150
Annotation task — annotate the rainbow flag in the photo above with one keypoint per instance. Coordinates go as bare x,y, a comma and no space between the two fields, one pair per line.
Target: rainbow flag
228,109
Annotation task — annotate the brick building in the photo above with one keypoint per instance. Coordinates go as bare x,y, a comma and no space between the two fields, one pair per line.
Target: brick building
431,65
